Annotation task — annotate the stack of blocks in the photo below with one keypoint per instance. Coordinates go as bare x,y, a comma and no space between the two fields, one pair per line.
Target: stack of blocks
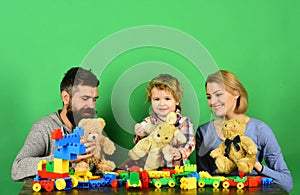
69,147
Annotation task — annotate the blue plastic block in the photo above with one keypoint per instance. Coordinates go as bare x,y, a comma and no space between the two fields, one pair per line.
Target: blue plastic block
83,185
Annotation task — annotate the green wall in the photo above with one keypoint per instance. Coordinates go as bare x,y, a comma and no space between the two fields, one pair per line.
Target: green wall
40,40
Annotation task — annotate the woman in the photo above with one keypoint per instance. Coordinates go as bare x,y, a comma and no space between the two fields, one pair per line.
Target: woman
228,99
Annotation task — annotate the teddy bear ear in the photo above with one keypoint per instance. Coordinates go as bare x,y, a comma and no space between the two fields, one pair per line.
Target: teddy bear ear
171,118
101,121
241,121
82,122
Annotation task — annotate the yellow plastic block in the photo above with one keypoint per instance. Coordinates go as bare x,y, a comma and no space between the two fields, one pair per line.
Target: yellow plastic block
41,163
188,183
61,166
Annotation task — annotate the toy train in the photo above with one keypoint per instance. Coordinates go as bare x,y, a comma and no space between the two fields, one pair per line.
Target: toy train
56,174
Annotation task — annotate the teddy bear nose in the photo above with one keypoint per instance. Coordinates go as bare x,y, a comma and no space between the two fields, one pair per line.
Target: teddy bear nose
94,137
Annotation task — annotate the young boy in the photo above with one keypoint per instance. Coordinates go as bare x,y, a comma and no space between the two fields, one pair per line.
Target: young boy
165,93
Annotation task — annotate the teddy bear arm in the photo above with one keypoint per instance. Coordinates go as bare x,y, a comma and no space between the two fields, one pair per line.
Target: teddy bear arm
140,149
149,128
219,151
108,145
166,151
248,145
180,137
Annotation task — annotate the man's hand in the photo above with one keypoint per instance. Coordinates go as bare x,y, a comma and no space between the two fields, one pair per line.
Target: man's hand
90,147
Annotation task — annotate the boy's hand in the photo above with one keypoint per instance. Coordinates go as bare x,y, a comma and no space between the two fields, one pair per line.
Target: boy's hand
139,130
175,153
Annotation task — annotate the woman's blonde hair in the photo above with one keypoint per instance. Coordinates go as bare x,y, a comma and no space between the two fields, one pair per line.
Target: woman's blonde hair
168,83
232,85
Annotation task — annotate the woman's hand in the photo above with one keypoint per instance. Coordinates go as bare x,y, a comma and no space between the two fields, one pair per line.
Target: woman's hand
258,167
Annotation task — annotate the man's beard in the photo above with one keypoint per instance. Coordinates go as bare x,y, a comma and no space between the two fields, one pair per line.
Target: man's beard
75,116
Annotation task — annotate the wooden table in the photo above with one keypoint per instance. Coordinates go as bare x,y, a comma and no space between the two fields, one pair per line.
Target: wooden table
269,190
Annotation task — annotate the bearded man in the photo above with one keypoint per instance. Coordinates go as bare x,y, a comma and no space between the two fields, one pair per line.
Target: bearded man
79,92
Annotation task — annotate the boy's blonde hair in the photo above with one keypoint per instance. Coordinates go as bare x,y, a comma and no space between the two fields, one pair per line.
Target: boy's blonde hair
231,84
168,83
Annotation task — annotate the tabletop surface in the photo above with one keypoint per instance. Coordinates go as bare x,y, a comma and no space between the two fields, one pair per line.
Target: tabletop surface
268,189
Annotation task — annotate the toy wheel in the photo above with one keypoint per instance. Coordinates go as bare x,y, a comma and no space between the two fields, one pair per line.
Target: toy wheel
157,184
226,184
201,184
74,181
49,187
60,184
171,183
240,185
216,184
36,187
127,185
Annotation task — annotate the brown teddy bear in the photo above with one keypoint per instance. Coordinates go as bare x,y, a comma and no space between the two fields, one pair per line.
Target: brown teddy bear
93,128
237,151
157,144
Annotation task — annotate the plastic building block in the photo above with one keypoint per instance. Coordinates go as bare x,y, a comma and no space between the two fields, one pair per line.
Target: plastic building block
159,174
63,183
135,168
96,183
188,167
52,175
163,181
177,177
239,181
116,183
41,164
56,134
124,175
108,177
145,179
194,174
70,152
48,185
83,185
188,183
57,173
134,180
179,169
267,181
61,166
50,166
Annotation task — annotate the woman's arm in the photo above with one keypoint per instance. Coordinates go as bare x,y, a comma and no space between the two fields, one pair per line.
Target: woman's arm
276,166
204,161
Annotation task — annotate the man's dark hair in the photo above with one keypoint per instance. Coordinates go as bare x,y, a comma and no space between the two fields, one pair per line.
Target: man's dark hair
78,76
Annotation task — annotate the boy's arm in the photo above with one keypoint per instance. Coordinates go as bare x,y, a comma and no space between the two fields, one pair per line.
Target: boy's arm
186,127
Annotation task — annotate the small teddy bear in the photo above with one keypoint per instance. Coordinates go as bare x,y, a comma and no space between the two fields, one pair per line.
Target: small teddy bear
157,144
237,151
93,128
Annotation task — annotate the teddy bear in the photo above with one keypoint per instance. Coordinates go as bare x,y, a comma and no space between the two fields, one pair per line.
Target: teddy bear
237,151
93,128
157,144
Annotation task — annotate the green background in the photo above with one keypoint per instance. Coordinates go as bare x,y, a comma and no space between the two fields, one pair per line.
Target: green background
40,40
